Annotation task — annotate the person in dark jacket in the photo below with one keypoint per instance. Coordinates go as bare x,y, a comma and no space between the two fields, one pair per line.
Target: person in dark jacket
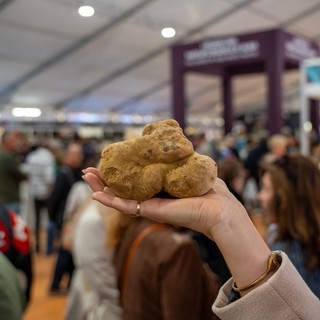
69,173
10,173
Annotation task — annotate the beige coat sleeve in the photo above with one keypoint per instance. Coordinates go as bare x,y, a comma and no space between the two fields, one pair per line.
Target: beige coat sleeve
284,296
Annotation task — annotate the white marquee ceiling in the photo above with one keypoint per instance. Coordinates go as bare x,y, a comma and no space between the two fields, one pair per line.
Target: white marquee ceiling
116,62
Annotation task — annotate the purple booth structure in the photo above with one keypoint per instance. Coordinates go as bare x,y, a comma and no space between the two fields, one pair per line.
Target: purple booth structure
273,52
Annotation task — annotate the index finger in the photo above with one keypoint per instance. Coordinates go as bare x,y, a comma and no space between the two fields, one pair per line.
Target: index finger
94,182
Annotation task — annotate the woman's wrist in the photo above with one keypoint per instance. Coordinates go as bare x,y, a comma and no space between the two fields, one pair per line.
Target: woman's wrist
245,252
272,266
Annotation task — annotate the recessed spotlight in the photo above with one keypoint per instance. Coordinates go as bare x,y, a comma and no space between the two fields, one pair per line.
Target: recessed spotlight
168,32
86,11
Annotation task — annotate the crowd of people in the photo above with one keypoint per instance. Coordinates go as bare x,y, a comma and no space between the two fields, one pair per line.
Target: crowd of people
196,258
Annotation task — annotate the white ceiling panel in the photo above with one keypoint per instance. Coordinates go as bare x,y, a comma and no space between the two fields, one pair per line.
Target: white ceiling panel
160,99
154,70
51,18
284,10
117,62
11,68
240,22
29,46
100,58
140,79
182,14
99,103
112,6
310,26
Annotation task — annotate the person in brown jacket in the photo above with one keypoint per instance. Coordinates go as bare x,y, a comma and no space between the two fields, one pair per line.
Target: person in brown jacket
264,284
160,273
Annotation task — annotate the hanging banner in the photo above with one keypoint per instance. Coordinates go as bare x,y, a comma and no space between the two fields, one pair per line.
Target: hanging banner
221,50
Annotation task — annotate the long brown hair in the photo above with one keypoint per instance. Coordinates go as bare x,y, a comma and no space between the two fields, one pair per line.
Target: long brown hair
296,203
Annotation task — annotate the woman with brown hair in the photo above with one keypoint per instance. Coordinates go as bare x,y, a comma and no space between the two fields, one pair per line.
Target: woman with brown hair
290,197
159,271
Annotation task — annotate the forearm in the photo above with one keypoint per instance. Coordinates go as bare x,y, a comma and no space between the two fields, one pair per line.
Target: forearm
244,250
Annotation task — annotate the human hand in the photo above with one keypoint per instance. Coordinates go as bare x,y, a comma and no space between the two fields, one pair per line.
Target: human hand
203,213
218,214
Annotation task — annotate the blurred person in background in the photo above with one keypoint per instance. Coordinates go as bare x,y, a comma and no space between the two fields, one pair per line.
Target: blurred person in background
40,165
69,173
277,147
159,271
233,173
290,198
267,150
15,245
10,173
252,162
227,148
201,144
12,300
93,293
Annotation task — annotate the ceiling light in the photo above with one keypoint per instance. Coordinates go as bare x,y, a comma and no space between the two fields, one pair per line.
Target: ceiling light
86,11
26,112
168,32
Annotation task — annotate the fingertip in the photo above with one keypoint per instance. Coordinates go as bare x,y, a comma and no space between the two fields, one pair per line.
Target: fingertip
95,193
94,196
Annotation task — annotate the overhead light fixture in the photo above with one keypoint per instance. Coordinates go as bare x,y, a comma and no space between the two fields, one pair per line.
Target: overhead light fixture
86,11
168,32
26,112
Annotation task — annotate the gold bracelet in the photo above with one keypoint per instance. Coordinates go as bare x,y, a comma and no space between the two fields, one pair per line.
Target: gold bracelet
273,264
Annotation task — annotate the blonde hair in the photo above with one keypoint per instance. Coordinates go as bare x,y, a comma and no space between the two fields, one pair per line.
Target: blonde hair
277,140
117,225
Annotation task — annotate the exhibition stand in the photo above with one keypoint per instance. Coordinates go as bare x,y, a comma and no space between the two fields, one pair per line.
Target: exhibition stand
310,98
272,52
